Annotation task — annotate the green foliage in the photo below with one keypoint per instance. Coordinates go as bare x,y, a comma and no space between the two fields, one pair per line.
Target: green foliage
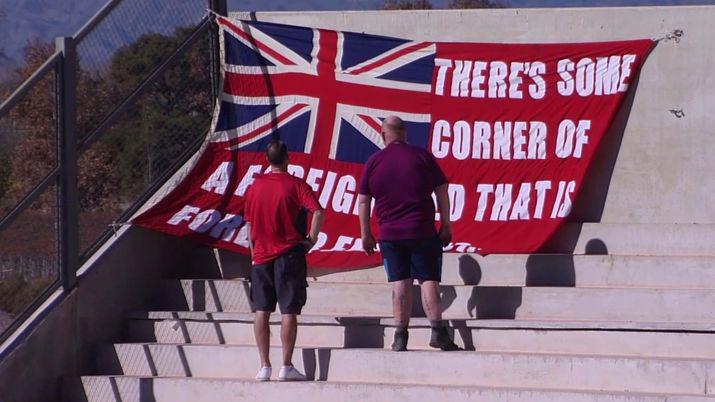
115,170
407,5
461,4
16,292
178,104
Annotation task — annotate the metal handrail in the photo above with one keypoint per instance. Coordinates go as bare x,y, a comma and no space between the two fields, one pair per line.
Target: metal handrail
95,20
30,82
142,199
28,199
129,100
68,149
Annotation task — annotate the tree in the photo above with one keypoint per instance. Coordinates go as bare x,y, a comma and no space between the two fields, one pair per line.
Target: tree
148,135
407,5
116,168
461,4
30,136
32,153
4,174
176,108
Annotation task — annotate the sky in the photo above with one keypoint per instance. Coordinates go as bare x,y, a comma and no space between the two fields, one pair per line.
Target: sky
24,20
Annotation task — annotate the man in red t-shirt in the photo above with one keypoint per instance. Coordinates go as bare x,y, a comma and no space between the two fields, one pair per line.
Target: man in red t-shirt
276,210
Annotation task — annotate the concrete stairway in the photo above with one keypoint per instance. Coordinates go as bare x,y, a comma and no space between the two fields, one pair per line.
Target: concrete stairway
634,326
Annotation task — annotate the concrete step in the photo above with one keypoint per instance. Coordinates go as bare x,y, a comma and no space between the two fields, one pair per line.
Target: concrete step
555,270
503,370
161,389
593,338
634,239
539,303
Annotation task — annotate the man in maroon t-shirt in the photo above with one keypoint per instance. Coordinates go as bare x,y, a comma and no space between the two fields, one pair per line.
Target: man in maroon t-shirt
276,209
401,179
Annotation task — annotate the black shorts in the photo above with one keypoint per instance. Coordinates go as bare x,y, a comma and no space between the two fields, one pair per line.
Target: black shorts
419,259
281,281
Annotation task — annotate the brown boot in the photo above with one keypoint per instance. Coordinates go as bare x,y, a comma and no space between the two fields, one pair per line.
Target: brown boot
400,342
440,339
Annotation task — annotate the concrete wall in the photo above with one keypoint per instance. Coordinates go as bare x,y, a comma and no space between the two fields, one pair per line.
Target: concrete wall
663,172
122,278
664,167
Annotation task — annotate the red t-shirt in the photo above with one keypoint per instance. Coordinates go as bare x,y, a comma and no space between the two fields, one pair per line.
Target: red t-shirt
276,206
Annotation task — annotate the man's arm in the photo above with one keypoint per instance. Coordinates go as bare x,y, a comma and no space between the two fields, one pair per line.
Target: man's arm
250,240
316,223
445,228
309,201
368,241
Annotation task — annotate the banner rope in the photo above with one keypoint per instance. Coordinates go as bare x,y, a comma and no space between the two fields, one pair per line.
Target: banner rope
115,226
674,35
211,13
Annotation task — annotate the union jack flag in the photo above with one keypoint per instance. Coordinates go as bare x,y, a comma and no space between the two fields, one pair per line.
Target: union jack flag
322,92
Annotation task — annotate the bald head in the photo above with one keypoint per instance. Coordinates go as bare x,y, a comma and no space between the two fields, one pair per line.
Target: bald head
393,129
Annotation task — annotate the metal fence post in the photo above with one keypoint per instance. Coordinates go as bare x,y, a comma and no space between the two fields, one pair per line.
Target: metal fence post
219,7
68,200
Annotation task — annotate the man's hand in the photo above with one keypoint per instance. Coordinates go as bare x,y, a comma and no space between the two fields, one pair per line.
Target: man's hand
445,228
445,235
308,243
368,244
368,241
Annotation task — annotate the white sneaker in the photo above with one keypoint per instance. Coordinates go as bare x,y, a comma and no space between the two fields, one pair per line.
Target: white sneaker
264,374
290,373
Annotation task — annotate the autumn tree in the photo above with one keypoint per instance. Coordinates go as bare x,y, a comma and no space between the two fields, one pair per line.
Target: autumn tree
462,4
29,130
116,168
32,130
147,136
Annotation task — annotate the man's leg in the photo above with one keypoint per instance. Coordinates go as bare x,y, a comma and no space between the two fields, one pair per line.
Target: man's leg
291,271
263,300
402,302
427,267
432,305
262,333
431,302
401,309
397,267
289,330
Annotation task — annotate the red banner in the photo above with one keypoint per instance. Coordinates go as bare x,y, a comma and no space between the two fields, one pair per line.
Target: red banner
513,126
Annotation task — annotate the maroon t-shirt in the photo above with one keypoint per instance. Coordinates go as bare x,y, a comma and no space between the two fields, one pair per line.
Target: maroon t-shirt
401,178
275,206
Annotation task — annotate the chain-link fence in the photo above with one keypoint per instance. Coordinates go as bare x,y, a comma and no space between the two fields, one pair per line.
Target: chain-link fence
28,255
28,154
28,143
148,137
123,49
141,106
